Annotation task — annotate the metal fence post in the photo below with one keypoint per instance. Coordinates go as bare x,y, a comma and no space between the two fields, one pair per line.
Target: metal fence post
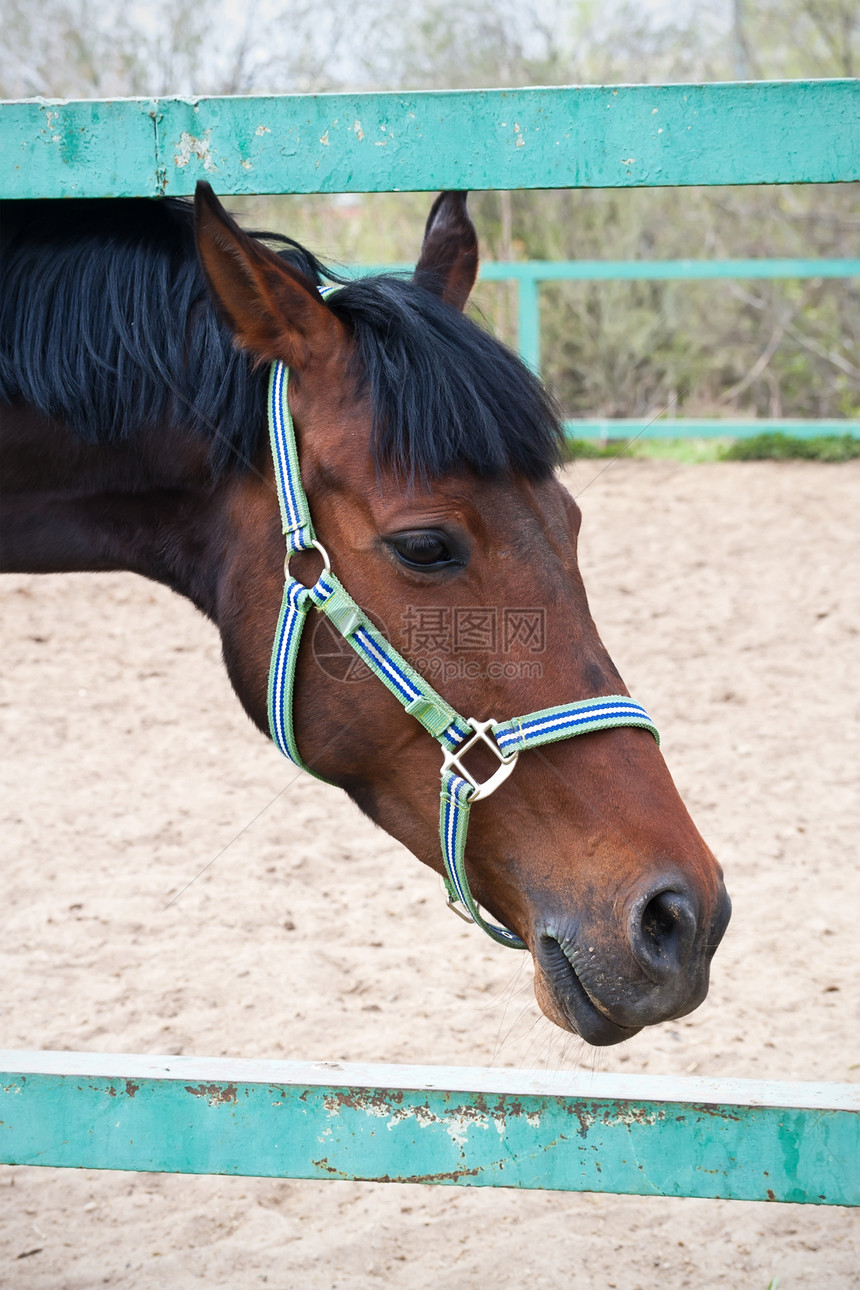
528,320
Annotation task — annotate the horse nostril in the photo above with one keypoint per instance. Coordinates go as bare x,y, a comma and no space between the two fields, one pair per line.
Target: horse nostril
662,933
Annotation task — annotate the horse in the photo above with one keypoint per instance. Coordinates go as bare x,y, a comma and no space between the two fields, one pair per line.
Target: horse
136,340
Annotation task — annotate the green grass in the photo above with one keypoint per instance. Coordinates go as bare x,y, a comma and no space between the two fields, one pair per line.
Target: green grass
784,447
576,449
691,451
685,450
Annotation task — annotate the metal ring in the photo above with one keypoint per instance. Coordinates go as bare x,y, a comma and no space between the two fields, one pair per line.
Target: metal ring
315,546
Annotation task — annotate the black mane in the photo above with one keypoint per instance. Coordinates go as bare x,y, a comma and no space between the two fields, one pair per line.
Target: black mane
106,324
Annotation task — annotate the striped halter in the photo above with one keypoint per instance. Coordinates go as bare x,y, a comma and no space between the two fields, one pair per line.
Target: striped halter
456,734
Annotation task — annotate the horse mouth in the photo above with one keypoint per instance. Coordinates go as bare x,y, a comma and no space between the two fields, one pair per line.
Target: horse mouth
565,1000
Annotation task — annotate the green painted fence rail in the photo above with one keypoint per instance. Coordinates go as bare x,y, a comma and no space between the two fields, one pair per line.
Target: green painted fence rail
642,270
665,427
640,1135
763,132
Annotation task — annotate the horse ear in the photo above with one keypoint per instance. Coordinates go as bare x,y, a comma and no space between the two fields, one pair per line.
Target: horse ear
273,310
448,265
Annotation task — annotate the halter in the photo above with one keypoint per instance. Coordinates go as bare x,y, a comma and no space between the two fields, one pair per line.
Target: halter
456,734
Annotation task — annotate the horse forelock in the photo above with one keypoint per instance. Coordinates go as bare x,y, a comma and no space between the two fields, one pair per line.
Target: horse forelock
446,395
106,324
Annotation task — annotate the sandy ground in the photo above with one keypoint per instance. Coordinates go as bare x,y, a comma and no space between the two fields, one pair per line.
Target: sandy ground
728,596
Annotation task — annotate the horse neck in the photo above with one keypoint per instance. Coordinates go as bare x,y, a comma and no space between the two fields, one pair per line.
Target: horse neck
148,505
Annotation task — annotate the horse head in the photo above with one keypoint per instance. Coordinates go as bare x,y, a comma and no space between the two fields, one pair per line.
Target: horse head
427,455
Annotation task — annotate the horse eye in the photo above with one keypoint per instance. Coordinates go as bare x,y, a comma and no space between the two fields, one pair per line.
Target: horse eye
422,550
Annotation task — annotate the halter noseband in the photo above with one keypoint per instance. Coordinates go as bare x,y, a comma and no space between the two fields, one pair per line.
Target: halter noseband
456,734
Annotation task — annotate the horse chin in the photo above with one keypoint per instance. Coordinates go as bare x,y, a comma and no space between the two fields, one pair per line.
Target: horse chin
577,1013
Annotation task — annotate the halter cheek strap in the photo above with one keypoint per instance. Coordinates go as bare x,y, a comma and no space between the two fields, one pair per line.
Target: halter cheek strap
455,734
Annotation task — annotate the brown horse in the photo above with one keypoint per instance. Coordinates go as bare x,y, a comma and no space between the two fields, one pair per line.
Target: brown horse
134,438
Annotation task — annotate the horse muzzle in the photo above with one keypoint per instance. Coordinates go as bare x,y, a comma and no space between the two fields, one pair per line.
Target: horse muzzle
606,984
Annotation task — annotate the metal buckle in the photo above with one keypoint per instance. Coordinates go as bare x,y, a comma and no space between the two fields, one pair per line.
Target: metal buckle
455,905
481,735
314,546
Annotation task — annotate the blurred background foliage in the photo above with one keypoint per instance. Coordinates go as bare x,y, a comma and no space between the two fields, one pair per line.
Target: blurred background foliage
768,348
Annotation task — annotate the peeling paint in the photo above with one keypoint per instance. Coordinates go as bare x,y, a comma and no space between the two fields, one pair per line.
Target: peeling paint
457,1123
190,146
357,128
449,1176
374,1104
585,1117
721,1112
215,1094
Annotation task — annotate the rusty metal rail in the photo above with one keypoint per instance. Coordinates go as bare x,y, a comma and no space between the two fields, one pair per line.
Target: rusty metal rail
731,1139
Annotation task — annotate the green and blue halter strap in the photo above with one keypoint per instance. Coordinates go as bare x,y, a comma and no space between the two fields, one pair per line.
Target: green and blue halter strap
455,734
